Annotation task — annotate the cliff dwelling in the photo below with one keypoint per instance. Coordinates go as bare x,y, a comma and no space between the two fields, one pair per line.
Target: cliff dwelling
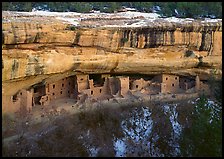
99,87
105,56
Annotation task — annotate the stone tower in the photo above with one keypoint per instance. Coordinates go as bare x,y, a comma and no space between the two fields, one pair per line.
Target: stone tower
197,83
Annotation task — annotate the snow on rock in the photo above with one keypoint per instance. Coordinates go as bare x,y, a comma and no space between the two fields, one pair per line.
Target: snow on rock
171,109
138,14
174,19
141,125
93,151
69,20
138,129
119,147
177,128
48,13
211,20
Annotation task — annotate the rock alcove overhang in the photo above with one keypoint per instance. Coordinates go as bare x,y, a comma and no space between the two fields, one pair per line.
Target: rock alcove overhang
37,49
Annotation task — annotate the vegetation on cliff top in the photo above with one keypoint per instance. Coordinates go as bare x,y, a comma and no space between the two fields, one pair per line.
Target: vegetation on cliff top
178,9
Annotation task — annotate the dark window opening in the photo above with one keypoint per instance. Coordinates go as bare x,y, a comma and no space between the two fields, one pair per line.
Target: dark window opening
185,80
97,80
91,92
14,98
136,86
53,86
100,90
35,90
173,84
166,78
63,79
69,83
62,85
53,94
21,93
68,91
81,79
175,78
61,92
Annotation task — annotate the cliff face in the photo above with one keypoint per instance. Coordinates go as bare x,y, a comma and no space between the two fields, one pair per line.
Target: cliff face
37,48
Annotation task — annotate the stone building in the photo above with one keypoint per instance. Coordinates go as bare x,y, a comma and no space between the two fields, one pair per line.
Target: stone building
100,87
22,101
40,94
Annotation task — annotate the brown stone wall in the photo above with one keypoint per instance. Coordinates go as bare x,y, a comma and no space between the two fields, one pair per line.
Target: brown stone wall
10,106
82,82
61,88
139,84
124,81
96,92
26,97
170,84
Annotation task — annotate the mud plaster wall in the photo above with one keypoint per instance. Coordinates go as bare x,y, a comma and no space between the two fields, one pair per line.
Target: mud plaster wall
26,97
197,83
10,106
61,88
139,84
170,84
124,81
82,82
93,91
96,92
23,102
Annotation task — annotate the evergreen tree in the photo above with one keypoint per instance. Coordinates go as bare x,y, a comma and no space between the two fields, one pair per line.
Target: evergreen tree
204,137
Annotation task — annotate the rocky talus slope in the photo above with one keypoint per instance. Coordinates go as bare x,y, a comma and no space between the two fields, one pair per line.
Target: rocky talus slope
47,47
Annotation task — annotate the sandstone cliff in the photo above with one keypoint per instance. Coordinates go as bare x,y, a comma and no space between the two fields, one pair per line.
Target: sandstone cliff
39,48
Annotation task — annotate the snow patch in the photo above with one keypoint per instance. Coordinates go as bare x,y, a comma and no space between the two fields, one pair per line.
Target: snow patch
69,20
136,14
211,20
48,13
119,147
